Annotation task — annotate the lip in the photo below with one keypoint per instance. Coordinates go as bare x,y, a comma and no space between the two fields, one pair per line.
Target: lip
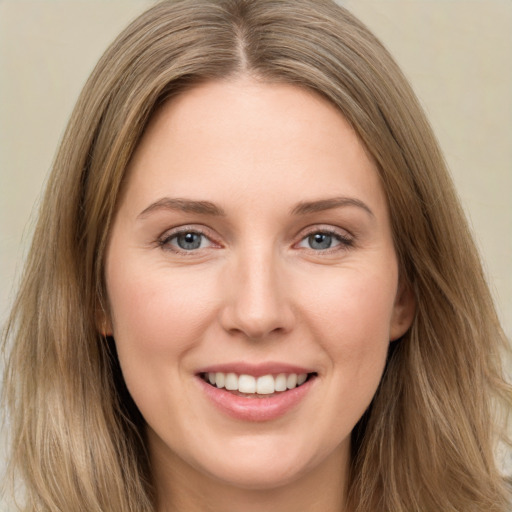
255,409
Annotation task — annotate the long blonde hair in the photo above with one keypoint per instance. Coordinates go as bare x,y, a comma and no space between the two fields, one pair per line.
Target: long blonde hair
426,443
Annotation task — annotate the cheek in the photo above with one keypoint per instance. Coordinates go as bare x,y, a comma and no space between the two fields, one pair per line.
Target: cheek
351,321
158,316
158,309
354,308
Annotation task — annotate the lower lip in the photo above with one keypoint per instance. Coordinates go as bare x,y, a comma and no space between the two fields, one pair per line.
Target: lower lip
256,409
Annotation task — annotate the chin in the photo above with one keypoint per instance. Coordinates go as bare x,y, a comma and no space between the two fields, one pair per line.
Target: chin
258,477
266,464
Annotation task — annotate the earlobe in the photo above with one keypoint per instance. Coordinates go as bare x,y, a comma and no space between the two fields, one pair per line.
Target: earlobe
103,323
403,311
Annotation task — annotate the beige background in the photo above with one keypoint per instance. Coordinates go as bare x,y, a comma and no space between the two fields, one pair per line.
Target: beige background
457,53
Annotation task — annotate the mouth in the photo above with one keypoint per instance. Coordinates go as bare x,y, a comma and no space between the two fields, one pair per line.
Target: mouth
249,386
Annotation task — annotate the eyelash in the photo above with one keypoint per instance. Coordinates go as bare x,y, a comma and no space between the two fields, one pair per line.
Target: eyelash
345,242
164,240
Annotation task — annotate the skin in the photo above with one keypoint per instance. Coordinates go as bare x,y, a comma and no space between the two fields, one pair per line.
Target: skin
255,290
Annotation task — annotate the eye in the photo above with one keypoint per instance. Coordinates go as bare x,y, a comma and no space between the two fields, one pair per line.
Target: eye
324,240
186,241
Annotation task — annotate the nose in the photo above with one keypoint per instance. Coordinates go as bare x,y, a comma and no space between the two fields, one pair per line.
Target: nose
257,297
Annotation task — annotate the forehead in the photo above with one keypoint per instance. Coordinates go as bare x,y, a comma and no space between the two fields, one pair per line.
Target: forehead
229,139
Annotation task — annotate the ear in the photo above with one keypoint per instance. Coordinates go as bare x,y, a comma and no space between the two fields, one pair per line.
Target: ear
403,311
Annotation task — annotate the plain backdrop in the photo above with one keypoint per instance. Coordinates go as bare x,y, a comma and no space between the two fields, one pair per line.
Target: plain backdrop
456,53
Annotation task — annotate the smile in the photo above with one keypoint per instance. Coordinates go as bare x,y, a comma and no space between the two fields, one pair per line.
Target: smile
256,396
251,386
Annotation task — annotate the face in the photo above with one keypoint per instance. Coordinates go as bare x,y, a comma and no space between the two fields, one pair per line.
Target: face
252,248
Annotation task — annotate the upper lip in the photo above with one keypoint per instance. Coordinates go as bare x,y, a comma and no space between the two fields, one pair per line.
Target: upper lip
256,370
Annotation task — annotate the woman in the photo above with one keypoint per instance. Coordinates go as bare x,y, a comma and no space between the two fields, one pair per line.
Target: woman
251,286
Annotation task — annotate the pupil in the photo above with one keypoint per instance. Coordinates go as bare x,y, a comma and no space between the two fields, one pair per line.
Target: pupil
320,241
189,241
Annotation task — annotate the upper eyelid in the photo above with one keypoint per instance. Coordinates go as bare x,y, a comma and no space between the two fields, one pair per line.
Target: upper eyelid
325,228
178,230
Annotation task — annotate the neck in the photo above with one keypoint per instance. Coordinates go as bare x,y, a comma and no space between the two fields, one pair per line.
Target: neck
181,488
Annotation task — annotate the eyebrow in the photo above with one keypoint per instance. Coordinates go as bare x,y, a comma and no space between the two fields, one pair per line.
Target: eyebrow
303,208
184,205
208,208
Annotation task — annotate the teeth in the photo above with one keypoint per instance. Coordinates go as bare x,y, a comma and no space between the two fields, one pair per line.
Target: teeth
231,382
220,379
291,381
264,385
246,384
280,382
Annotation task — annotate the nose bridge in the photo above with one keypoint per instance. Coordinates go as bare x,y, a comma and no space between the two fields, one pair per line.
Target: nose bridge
257,302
